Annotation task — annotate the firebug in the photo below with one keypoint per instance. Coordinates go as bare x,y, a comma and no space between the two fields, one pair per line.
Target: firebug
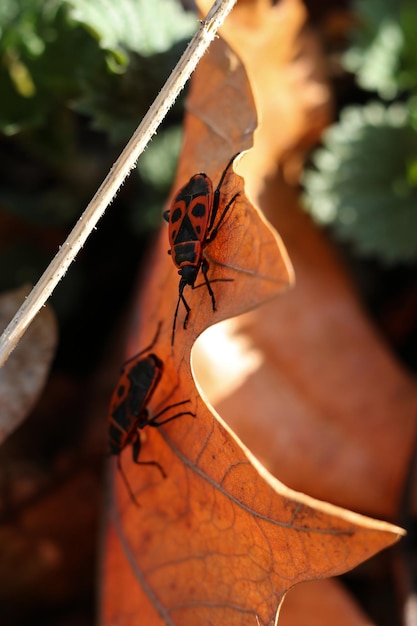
193,225
129,412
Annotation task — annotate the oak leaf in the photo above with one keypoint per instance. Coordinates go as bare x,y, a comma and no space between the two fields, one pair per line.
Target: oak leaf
219,540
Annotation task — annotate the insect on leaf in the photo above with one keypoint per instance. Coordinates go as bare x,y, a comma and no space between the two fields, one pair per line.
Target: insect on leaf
219,540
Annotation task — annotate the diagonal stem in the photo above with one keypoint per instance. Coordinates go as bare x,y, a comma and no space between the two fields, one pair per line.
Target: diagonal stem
114,179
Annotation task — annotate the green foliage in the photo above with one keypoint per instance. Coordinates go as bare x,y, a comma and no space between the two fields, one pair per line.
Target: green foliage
57,53
60,59
144,27
383,54
141,42
76,78
365,183
43,63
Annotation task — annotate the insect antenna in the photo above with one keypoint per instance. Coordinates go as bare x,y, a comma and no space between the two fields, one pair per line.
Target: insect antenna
215,280
226,169
217,196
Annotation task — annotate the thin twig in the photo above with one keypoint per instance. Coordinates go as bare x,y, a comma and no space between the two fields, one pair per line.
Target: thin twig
114,179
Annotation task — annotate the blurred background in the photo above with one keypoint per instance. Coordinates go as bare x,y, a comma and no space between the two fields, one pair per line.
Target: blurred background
76,78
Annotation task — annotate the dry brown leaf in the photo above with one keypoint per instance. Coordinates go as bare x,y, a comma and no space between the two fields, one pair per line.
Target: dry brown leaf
219,540
337,413
23,376
288,77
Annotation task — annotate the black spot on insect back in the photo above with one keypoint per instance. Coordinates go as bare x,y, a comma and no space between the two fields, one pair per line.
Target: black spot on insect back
176,215
199,210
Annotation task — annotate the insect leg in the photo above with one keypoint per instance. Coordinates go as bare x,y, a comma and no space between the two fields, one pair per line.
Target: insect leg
174,324
187,315
204,268
213,233
173,417
153,422
137,444
188,309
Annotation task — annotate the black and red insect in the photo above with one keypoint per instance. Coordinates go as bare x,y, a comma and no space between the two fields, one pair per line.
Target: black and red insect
129,412
193,225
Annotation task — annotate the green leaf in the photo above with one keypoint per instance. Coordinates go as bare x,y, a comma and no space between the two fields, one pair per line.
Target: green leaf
383,54
117,103
107,60
45,62
142,26
364,182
